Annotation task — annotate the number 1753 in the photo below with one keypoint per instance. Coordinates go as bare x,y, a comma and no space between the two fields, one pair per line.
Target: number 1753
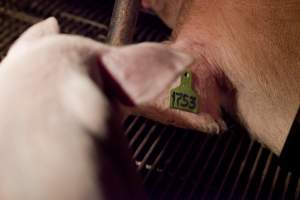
183,100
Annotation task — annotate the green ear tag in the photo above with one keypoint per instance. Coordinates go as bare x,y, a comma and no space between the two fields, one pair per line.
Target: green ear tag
183,97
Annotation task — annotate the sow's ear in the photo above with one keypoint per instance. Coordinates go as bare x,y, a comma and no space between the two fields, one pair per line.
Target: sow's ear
37,31
142,71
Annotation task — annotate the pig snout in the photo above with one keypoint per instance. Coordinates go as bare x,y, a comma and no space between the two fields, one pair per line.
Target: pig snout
60,136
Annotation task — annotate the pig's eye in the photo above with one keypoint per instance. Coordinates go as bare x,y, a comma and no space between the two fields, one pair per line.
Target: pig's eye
186,74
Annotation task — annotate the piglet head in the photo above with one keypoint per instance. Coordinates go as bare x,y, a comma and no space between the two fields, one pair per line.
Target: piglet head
51,89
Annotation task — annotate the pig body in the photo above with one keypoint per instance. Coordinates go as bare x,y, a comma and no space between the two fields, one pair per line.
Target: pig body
59,133
247,60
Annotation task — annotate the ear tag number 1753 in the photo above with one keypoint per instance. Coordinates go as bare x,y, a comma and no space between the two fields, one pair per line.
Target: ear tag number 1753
183,97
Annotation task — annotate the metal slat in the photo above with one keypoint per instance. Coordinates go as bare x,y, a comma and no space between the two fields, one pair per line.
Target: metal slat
208,185
252,173
149,152
263,176
292,187
132,124
268,182
171,157
199,177
275,178
286,184
52,8
137,134
10,35
131,131
158,158
193,167
279,190
145,140
233,160
179,166
160,172
241,170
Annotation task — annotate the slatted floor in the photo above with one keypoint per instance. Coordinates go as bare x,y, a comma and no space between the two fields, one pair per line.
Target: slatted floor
174,163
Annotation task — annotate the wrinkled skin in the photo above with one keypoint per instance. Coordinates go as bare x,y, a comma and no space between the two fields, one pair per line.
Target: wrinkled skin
59,133
168,12
247,60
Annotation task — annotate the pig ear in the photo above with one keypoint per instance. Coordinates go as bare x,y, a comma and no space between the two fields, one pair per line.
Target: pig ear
144,70
35,32
41,29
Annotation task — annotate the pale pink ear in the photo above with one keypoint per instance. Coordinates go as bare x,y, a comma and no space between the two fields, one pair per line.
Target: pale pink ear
41,29
144,70
37,31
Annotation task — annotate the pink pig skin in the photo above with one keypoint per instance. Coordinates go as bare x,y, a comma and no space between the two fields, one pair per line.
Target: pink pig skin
247,60
59,133
167,10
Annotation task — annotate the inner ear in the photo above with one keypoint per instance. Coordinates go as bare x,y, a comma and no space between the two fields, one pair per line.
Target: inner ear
112,89
138,73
